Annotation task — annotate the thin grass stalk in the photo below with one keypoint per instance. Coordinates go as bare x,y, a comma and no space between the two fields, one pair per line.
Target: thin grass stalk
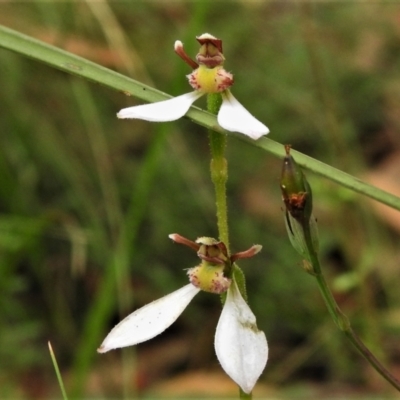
65,61
58,373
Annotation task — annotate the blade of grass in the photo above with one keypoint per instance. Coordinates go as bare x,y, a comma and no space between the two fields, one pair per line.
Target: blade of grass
60,59
59,377
331,173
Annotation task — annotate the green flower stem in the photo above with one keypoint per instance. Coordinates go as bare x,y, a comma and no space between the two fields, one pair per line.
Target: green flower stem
219,177
72,64
338,316
246,396
219,170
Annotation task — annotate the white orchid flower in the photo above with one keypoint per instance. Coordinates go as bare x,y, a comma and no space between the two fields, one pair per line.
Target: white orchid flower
241,348
208,77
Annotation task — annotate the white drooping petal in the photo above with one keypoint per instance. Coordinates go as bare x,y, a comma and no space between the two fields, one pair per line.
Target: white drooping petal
241,348
234,117
162,111
150,320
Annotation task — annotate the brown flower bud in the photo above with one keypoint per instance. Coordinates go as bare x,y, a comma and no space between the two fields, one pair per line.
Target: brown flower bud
296,191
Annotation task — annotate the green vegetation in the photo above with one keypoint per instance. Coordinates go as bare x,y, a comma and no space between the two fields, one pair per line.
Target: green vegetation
87,201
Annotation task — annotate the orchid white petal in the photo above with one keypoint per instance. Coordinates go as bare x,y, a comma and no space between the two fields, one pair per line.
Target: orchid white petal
162,111
234,117
241,348
150,320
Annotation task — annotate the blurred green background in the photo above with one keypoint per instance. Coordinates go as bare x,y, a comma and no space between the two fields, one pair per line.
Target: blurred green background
87,201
